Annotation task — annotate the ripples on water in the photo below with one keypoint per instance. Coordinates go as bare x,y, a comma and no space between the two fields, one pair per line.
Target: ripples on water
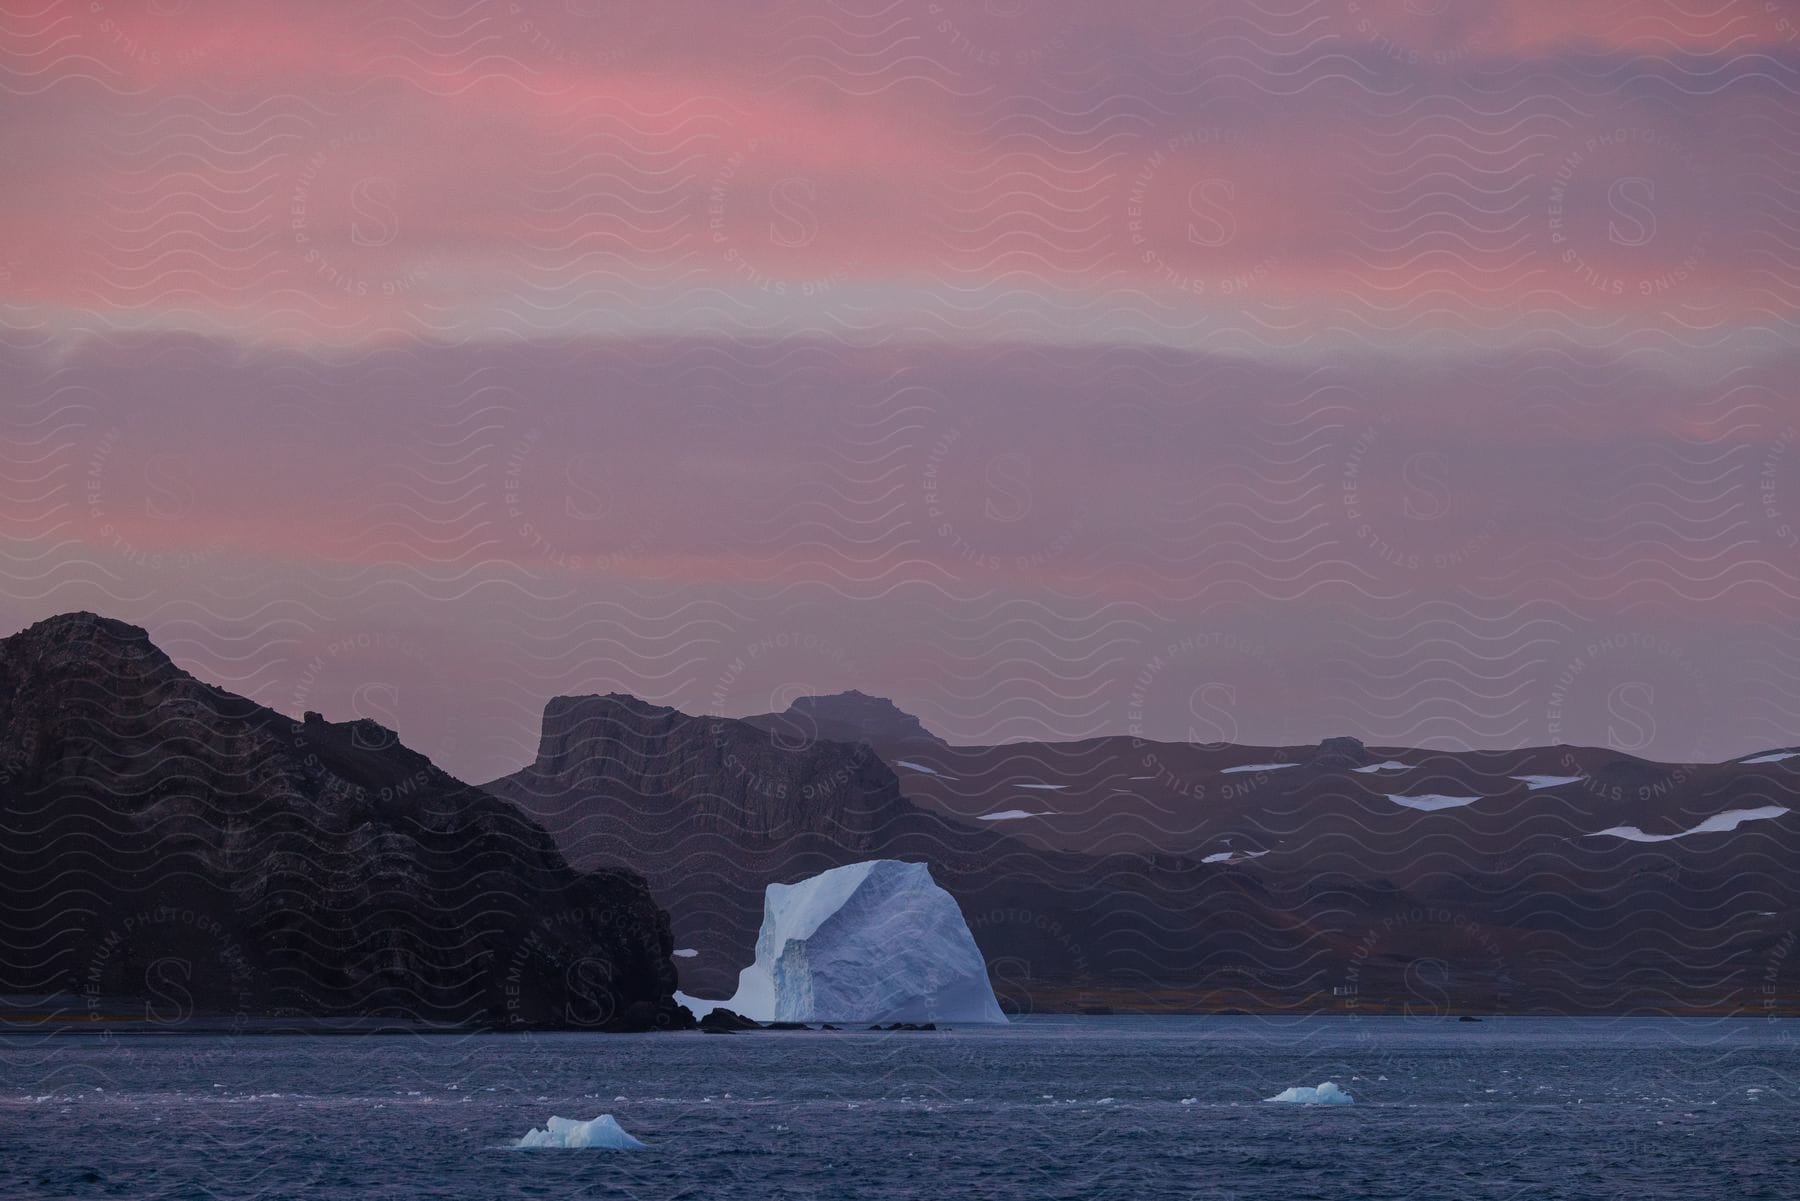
1048,1108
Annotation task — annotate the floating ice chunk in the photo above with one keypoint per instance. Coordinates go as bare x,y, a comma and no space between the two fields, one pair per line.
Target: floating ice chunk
870,942
1432,802
1045,787
1772,757
601,1132
1718,823
1326,1094
909,765
1225,771
1389,765
1232,856
1007,815
687,953
1537,782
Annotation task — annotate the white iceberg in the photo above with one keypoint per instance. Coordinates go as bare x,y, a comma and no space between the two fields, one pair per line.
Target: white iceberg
1536,782
1718,823
602,1132
1225,771
1007,815
1388,765
872,942
1327,1093
1772,757
1432,802
1045,787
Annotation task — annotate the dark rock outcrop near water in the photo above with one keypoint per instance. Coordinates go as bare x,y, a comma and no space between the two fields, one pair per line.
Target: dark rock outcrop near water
170,849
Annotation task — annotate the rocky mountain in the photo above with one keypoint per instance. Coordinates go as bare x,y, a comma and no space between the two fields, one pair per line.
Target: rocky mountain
713,809
167,842
1139,874
849,717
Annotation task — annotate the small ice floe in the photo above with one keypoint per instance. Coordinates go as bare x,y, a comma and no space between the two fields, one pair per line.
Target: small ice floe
1536,782
601,1132
687,953
1718,823
1432,802
1232,856
1388,765
1772,757
1225,771
1045,787
909,765
1008,815
1327,1093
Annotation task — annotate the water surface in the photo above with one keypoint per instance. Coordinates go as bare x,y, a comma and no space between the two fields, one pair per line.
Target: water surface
1090,1107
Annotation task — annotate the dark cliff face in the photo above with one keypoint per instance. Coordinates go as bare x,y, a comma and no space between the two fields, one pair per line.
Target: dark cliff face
168,841
849,717
683,776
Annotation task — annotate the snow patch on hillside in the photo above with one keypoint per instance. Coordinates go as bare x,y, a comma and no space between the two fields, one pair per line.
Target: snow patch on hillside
1536,782
909,765
1718,823
1432,802
1233,856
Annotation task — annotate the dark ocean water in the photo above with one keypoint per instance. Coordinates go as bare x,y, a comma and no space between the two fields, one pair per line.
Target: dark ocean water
1048,1108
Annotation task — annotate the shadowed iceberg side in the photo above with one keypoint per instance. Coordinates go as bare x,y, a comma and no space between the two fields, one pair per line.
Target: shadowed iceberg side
870,942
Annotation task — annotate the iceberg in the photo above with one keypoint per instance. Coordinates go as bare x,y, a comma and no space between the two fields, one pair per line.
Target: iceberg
1327,1093
602,1132
1386,765
877,941
1225,771
1007,815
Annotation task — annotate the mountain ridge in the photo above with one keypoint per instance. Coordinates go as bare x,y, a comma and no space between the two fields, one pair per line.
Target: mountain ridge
165,836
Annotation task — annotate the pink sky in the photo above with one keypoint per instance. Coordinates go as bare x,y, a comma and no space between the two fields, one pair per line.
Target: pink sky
1418,370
